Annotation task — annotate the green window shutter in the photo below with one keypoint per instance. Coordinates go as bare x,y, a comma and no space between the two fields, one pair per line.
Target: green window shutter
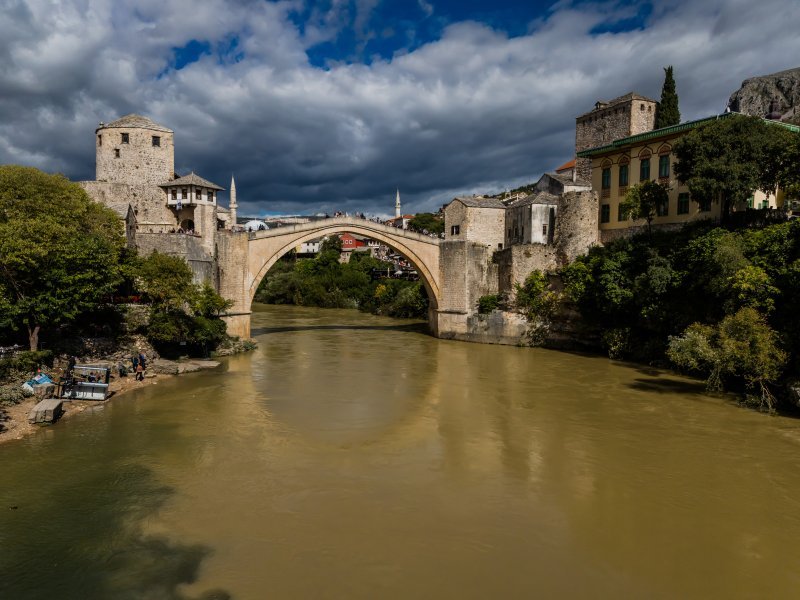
623,175
644,170
605,213
683,204
606,178
663,166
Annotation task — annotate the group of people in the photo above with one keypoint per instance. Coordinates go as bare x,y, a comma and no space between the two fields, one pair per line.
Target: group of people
138,366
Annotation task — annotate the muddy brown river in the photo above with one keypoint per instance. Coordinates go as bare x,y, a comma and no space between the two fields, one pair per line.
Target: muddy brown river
353,456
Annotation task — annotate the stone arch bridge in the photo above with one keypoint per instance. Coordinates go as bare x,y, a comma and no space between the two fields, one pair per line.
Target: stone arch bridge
244,258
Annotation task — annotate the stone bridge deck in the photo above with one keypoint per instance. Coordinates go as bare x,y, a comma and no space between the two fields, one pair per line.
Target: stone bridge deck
336,225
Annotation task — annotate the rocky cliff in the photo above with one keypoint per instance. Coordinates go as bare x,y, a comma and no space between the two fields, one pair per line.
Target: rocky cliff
756,93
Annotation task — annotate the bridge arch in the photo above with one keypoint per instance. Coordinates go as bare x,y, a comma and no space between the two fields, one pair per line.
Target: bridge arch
265,248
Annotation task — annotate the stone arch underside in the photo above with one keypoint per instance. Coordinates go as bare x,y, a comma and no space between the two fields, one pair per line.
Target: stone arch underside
264,252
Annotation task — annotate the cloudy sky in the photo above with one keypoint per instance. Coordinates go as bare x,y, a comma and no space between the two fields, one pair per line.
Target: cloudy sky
331,105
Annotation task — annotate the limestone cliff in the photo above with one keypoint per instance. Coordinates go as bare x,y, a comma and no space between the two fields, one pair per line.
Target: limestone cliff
756,93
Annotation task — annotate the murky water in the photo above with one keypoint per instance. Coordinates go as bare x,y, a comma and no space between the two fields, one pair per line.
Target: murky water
352,456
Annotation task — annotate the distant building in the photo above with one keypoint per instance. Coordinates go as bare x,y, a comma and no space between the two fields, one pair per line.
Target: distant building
475,219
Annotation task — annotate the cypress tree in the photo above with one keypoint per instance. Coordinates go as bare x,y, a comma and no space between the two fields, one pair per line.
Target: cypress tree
667,112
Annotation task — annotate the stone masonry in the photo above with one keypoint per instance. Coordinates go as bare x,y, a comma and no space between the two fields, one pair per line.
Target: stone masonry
624,116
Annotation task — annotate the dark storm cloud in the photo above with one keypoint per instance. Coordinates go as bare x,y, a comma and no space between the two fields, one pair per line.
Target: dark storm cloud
472,111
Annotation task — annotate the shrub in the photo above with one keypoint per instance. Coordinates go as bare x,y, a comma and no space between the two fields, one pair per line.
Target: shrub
488,303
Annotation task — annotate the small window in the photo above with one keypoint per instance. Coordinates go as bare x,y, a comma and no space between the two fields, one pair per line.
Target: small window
705,205
175,194
455,230
156,140
663,166
605,213
211,195
662,210
116,152
606,182
125,138
185,194
197,194
683,203
751,202
621,213
623,176
544,230
644,170
499,246
99,139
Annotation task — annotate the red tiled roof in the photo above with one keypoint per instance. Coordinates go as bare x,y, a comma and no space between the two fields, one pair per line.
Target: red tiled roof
566,165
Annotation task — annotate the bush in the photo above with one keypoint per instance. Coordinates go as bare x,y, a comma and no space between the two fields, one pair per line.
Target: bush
488,303
25,362
11,394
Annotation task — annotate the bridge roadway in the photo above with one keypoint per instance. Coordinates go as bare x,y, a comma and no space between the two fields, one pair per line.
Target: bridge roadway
265,248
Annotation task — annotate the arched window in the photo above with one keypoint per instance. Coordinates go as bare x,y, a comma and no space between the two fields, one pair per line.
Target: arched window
623,171
644,165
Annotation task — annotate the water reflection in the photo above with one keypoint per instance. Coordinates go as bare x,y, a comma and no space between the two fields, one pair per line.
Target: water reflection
355,457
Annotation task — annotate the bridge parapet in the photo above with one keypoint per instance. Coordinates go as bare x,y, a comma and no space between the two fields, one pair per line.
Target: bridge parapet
337,223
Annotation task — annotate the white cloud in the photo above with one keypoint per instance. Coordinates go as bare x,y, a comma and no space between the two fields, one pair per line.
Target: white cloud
474,110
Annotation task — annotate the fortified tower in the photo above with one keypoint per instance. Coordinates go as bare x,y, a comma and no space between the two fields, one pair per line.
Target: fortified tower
134,150
627,115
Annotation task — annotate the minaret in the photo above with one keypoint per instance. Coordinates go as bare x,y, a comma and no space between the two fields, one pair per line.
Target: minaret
397,211
232,204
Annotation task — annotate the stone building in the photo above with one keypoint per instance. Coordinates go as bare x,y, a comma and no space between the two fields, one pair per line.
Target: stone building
475,219
135,168
625,116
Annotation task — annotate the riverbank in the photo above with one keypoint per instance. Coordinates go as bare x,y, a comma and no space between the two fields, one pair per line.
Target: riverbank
14,419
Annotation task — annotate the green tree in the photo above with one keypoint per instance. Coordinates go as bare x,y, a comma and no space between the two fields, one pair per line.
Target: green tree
166,281
741,346
427,222
332,242
644,200
59,251
730,158
667,112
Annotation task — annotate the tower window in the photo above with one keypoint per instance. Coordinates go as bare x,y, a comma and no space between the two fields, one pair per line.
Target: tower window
116,152
455,230
156,140
174,193
197,194
185,194
99,139
125,138
210,195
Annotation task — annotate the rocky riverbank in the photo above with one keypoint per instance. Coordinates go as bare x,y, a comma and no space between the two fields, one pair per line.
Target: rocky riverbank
14,419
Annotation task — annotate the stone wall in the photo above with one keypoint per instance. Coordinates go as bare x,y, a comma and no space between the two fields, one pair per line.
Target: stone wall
480,225
467,273
188,247
497,327
514,264
609,122
139,161
576,225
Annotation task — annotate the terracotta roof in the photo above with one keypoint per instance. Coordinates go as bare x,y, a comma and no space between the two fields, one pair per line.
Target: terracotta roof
133,121
480,202
566,165
192,179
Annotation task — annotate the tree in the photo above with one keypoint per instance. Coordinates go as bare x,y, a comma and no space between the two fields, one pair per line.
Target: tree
429,222
667,112
644,200
59,251
730,158
741,346
166,281
332,242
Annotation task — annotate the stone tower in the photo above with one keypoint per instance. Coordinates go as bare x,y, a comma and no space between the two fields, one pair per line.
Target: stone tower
397,208
134,150
232,204
627,115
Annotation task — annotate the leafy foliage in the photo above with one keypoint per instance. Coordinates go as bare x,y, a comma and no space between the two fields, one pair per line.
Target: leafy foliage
165,281
59,251
742,345
667,295
644,200
488,303
668,113
539,303
729,159
427,222
327,283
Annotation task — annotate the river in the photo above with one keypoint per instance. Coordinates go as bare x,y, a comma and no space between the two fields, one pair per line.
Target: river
353,456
